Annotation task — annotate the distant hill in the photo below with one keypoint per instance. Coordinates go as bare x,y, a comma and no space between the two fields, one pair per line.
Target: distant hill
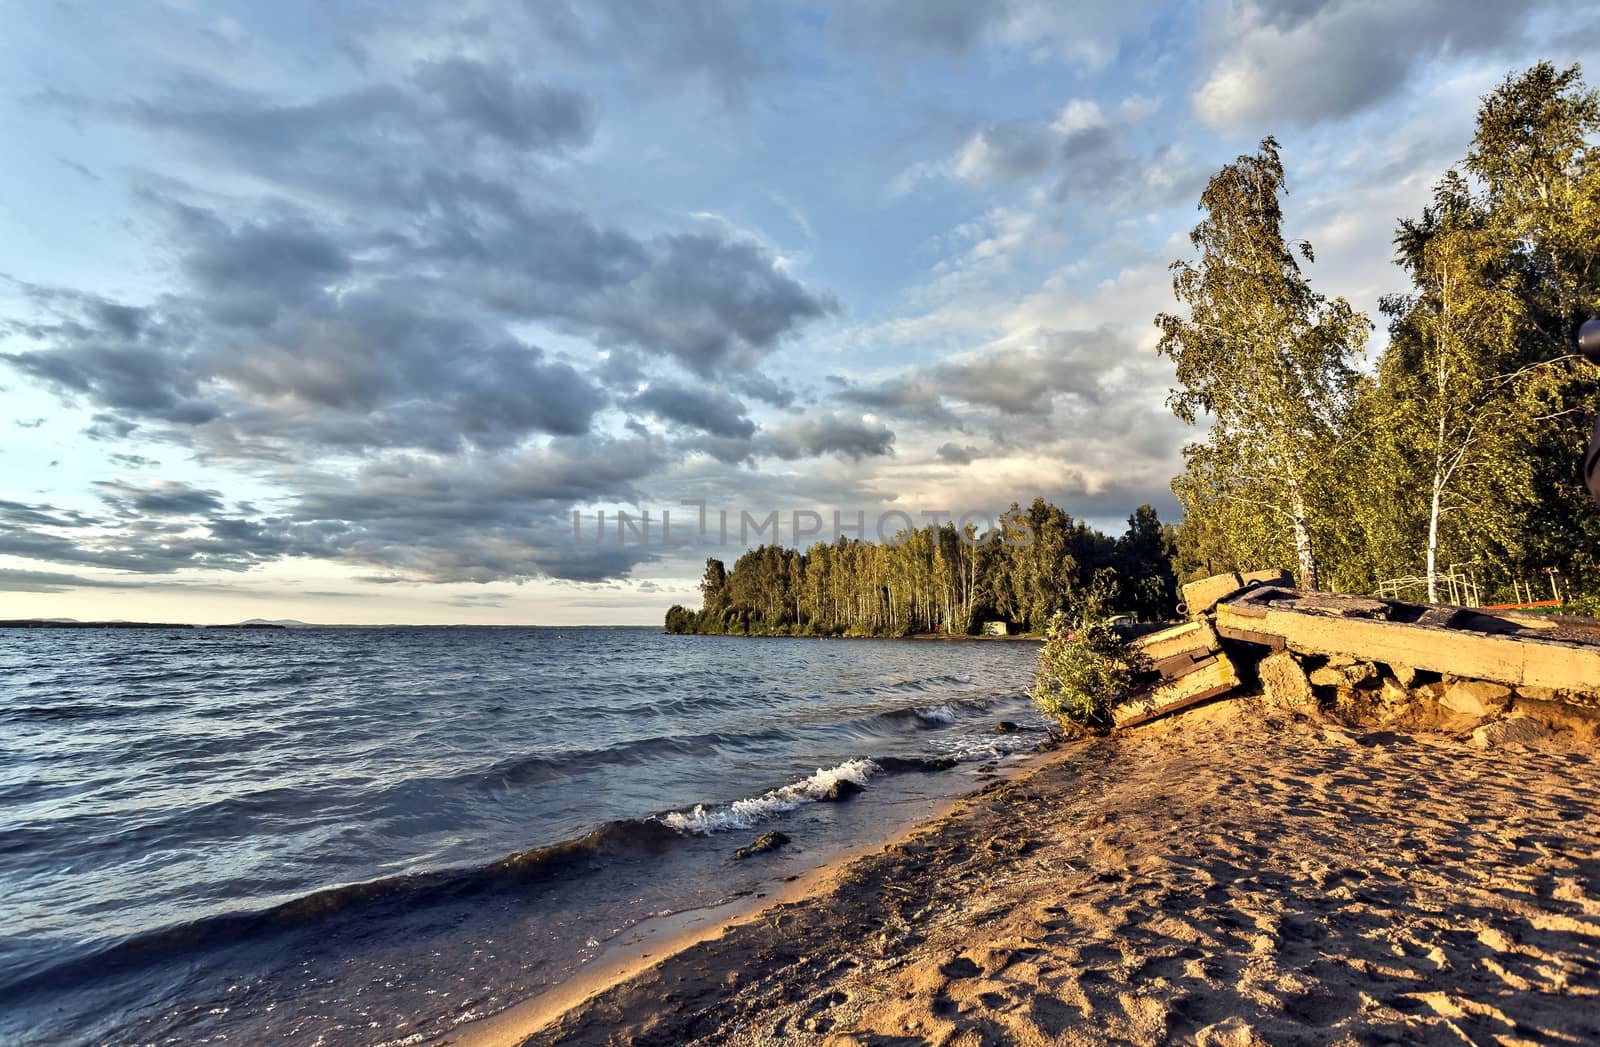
269,623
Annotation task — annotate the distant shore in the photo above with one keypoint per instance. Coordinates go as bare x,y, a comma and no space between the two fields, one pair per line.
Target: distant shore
57,623
1227,877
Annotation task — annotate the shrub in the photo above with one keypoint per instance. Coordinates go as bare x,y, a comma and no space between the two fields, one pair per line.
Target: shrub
1085,668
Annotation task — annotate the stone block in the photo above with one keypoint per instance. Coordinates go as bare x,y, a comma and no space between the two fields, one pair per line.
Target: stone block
1476,697
1283,682
1361,674
1200,597
1393,697
1328,676
1428,692
1403,674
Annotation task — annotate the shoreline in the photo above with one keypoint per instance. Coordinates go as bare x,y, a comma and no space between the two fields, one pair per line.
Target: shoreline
626,960
1234,876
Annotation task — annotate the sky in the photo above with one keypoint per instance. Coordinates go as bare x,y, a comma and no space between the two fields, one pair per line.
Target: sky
340,311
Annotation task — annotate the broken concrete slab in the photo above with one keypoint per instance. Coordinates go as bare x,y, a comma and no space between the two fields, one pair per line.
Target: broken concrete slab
1188,638
1474,644
1200,597
1365,660
1211,679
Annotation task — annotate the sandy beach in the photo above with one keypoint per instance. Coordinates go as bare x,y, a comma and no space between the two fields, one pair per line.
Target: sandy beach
1235,876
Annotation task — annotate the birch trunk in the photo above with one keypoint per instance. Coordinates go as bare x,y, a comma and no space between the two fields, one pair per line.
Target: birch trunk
1433,540
1302,540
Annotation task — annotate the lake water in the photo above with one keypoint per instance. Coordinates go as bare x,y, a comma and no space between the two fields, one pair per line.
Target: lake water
372,835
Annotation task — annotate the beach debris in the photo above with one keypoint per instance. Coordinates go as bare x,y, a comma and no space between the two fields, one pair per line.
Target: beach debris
767,841
1005,727
1367,660
1192,668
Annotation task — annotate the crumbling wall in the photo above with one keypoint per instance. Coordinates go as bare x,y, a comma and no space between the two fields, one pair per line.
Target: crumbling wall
1374,694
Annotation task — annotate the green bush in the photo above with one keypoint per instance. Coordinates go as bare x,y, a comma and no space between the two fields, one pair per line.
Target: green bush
1085,669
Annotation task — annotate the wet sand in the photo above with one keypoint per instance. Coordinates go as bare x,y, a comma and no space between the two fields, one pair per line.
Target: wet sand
1235,877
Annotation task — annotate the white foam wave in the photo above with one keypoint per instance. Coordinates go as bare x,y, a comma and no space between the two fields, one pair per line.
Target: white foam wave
744,814
938,714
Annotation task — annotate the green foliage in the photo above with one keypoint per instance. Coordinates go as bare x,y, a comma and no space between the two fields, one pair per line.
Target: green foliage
1085,669
1462,447
1268,360
936,580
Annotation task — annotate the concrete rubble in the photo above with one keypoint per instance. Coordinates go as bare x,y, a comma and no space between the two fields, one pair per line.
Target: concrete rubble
1505,676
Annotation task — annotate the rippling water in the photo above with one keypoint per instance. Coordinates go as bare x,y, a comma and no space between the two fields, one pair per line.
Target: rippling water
371,835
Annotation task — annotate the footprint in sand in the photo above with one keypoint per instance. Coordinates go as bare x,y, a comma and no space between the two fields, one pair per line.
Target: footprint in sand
960,967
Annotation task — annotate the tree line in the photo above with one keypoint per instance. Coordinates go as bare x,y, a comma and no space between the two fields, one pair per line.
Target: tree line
1040,561
1459,447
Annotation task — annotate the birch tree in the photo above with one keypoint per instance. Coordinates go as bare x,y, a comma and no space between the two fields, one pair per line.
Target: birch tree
1453,343
1261,354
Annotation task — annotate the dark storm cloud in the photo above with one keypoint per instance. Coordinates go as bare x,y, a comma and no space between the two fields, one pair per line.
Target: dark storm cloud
1093,160
358,369
20,514
359,277
162,497
762,388
482,518
829,432
1023,379
705,409
109,427
956,454
15,581
143,545
1311,60
912,395
528,116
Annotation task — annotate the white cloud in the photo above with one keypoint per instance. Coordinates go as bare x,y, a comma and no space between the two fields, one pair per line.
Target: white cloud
1080,114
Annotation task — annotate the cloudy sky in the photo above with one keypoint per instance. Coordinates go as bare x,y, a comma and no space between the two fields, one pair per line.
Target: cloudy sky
338,311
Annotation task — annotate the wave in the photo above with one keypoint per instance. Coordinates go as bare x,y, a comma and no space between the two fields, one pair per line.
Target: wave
624,839
744,814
